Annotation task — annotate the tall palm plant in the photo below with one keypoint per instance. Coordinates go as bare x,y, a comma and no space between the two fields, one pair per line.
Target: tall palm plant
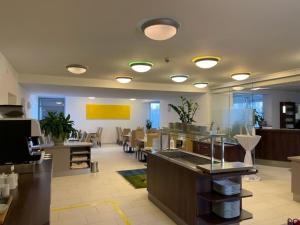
186,110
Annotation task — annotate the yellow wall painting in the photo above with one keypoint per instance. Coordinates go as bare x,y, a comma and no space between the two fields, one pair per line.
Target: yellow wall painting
107,112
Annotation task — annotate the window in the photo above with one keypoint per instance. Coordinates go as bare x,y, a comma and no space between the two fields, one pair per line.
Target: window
155,114
50,105
248,101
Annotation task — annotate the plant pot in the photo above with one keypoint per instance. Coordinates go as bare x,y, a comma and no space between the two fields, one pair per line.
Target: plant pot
58,141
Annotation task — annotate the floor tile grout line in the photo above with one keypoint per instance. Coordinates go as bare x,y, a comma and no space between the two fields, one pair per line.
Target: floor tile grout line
112,203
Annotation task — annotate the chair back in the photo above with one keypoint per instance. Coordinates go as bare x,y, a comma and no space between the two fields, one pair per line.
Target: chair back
150,139
83,137
152,130
126,131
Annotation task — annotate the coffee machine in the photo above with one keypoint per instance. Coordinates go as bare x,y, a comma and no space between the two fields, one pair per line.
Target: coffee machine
15,134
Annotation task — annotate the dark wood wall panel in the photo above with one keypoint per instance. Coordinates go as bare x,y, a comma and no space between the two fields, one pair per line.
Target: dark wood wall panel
277,144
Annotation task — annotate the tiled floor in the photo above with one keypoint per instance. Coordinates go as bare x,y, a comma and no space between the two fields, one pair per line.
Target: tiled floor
106,198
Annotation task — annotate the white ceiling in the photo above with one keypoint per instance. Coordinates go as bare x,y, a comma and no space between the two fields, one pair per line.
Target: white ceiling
42,37
103,92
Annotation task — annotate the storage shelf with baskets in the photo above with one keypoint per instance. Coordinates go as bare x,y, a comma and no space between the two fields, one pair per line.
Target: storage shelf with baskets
80,158
224,202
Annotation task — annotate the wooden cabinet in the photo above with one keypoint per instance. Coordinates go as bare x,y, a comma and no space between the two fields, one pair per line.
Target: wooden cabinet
232,152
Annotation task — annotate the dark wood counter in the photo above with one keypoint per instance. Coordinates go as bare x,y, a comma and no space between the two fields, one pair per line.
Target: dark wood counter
185,194
32,197
278,144
232,152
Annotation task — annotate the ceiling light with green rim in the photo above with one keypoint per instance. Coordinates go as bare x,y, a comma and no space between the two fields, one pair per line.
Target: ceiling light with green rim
206,62
179,78
141,67
240,76
124,79
200,84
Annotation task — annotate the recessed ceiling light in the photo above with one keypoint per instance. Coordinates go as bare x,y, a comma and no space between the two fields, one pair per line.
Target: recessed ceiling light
206,62
76,68
132,99
240,76
238,88
59,103
200,84
124,79
160,29
179,78
259,88
92,98
141,67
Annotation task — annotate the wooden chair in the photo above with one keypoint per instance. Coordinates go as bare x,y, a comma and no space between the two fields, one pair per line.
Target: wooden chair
119,132
140,134
148,145
99,135
125,139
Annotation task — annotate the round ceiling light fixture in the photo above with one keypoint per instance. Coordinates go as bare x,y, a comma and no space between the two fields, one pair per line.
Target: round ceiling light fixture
179,78
91,98
200,84
141,67
206,62
240,76
238,88
124,79
160,29
132,99
76,68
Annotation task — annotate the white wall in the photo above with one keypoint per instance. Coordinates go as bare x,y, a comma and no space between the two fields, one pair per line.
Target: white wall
272,101
75,106
9,82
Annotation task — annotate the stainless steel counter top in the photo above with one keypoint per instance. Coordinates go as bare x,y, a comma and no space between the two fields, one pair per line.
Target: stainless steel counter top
200,163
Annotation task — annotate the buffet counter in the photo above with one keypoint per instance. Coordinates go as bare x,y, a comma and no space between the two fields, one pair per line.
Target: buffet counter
181,184
278,144
32,197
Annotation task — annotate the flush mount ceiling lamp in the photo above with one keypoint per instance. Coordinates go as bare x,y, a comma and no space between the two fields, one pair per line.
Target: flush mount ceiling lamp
76,68
160,29
132,99
200,84
238,88
259,88
124,79
206,62
240,76
141,67
179,78
91,98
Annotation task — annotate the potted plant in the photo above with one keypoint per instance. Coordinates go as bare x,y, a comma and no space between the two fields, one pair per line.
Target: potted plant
58,127
186,110
258,118
148,124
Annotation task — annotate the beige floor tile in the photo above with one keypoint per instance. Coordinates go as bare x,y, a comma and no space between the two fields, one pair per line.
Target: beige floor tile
271,203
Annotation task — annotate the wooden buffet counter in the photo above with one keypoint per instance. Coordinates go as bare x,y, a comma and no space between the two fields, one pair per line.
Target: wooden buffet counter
278,144
185,192
31,199
232,153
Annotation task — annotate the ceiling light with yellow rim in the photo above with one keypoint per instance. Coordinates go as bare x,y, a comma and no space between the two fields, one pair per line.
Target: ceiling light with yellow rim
206,62
180,78
240,76
141,67
200,84
76,68
160,29
124,79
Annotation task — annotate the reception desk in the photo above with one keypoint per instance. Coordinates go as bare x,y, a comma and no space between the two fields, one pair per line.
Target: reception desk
278,144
